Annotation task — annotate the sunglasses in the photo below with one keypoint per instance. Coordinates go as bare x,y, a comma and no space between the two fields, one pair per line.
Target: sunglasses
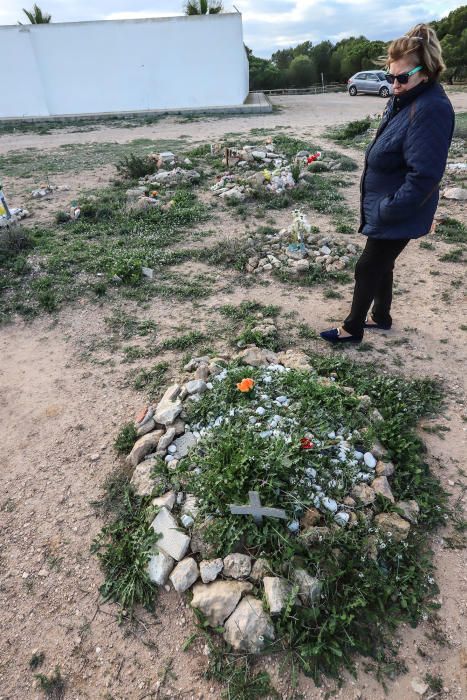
402,78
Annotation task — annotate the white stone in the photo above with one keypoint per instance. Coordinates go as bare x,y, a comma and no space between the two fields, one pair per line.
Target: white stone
173,542
165,501
184,575
186,520
166,439
249,627
237,565
143,446
196,386
190,506
342,518
184,443
309,587
168,411
277,591
369,460
219,599
210,569
329,503
159,566
418,686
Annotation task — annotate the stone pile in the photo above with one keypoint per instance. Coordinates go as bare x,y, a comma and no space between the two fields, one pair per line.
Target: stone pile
172,178
17,214
273,252
229,590
48,190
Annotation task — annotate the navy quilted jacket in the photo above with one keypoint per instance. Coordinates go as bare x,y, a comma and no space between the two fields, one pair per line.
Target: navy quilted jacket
404,164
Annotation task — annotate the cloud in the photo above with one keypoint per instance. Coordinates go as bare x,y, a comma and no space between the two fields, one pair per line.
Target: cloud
268,25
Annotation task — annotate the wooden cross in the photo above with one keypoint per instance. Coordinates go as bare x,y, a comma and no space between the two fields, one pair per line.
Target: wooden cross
258,511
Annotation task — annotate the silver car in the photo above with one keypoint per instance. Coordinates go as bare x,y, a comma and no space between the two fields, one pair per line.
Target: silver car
370,82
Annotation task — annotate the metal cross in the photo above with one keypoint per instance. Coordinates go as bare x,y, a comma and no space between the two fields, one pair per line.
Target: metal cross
257,510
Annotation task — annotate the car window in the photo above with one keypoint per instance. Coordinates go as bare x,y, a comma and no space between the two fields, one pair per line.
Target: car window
371,76
381,76
360,76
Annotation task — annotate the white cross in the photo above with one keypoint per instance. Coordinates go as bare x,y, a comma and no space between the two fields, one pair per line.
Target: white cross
257,510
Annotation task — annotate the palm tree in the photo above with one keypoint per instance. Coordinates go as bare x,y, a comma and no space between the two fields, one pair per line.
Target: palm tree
36,16
203,7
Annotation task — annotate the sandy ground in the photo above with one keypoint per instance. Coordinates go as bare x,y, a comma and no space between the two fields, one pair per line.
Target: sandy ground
57,409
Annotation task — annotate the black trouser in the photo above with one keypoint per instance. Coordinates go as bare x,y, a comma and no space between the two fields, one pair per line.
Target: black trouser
373,283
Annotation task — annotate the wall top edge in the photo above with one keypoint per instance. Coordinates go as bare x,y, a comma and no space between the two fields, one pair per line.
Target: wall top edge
139,20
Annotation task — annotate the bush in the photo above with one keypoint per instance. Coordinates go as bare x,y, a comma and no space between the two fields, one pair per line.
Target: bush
126,438
133,167
12,241
352,129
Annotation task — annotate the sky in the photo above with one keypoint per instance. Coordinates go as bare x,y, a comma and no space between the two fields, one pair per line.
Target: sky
268,25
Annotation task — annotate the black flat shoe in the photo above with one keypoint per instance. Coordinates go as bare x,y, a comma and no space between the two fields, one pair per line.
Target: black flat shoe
377,326
332,336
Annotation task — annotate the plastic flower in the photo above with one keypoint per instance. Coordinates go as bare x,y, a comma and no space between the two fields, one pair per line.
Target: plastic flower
306,444
246,385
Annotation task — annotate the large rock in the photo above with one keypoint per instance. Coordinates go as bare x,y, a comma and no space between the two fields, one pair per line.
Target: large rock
144,446
166,440
364,494
260,569
394,524
296,359
159,566
165,501
147,427
381,486
184,443
310,518
385,468
256,357
141,480
249,627
309,587
196,386
210,569
172,541
190,506
184,575
410,510
277,591
168,411
219,599
458,193
237,566
169,407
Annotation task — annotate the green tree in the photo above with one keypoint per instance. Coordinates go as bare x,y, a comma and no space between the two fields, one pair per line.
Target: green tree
302,71
203,7
455,55
36,16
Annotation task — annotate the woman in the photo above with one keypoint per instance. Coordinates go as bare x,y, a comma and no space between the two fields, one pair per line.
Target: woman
399,188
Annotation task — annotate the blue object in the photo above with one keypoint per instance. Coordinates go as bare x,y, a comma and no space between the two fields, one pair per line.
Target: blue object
404,164
332,336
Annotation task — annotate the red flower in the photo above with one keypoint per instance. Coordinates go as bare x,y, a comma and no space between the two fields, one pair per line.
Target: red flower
306,444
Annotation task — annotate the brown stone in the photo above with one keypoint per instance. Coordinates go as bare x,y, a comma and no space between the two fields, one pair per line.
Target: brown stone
311,517
380,485
394,524
140,416
385,468
364,494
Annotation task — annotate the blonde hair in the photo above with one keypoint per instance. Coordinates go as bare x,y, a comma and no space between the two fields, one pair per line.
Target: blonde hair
422,46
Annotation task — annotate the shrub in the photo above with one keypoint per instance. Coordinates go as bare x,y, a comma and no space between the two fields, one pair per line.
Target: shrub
126,438
13,241
133,167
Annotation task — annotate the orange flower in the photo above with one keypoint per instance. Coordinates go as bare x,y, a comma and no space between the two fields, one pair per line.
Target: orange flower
246,385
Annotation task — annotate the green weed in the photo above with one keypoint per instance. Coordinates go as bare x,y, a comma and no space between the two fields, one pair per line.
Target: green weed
125,439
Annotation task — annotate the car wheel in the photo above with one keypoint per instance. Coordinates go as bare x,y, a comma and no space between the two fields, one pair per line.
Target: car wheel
384,92
352,91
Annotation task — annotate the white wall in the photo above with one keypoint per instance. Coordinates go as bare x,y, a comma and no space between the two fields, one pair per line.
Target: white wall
123,65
